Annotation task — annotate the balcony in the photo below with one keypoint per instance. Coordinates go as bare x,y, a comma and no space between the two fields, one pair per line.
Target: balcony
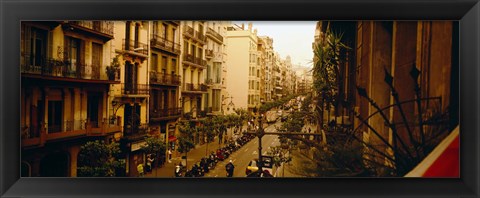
102,29
164,114
189,87
214,35
135,133
164,44
159,78
135,89
200,37
104,128
134,47
38,136
208,54
194,61
55,69
188,31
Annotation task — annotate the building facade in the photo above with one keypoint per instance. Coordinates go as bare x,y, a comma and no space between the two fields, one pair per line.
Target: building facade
216,57
65,93
243,70
164,80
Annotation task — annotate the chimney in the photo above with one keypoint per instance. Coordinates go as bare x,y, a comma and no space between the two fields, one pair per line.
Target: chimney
250,26
255,31
243,26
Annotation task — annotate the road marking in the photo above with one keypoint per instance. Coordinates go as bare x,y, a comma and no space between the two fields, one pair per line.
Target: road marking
246,150
254,153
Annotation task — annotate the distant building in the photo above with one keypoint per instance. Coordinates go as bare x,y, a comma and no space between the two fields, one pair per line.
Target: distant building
243,70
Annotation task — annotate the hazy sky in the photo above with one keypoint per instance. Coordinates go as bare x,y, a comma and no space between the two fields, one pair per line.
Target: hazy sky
292,38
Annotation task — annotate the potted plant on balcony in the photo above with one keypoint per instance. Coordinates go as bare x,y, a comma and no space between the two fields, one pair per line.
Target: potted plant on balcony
113,68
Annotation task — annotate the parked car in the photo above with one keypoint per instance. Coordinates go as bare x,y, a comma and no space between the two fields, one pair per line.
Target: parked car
252,167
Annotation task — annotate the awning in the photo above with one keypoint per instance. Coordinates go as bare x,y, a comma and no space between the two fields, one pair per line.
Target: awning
172,138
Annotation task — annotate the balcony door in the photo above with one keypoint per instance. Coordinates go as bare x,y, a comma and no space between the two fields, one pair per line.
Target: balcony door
96,60
73,48
55,112
131,118
93,106
35,46
130,77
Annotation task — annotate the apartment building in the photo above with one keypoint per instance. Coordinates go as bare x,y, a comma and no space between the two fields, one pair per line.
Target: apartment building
265,48
65,93
278,64
131,97
164,79
193,67
243,70
215,54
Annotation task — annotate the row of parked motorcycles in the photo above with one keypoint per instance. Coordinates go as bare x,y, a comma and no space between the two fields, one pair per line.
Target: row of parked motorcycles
209,162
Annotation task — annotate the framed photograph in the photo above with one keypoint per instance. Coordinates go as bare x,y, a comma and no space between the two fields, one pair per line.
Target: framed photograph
239,99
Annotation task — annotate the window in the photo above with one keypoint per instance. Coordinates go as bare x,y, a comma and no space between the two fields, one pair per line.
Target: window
72,49
35,46
55,116
174,66
164,62
154,61
165,31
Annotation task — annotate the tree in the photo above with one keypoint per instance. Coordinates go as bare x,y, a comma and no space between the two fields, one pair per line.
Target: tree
208,130
97,159
154,146
185,141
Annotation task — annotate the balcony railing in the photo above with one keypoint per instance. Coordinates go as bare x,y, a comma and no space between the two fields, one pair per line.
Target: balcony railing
160,113
38,136
195,60
134,46
61,68
136,132
105,27
164,44
164,79
195,87
188,31
200,36
135,89
212,33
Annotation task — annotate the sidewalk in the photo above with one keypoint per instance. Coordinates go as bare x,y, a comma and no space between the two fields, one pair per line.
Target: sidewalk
194,156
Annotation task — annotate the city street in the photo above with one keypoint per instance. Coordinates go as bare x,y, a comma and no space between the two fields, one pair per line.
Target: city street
244,155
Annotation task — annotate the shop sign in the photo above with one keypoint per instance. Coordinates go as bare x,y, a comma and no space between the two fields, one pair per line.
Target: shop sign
137,146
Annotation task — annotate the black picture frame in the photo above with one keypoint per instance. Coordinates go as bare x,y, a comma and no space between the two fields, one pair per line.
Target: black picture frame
12,12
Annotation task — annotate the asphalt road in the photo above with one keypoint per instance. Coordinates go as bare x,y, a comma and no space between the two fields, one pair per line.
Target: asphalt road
244,155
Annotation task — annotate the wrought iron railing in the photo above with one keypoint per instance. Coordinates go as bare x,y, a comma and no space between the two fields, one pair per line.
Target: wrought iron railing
162,43
195,60
134,46
159,113
200,36
195,87
60,68
164,79
134,89
188,31
214,34
105,27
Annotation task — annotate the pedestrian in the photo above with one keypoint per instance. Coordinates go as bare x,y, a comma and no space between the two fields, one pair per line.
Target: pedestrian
169,156
149,163
230,168
140,169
